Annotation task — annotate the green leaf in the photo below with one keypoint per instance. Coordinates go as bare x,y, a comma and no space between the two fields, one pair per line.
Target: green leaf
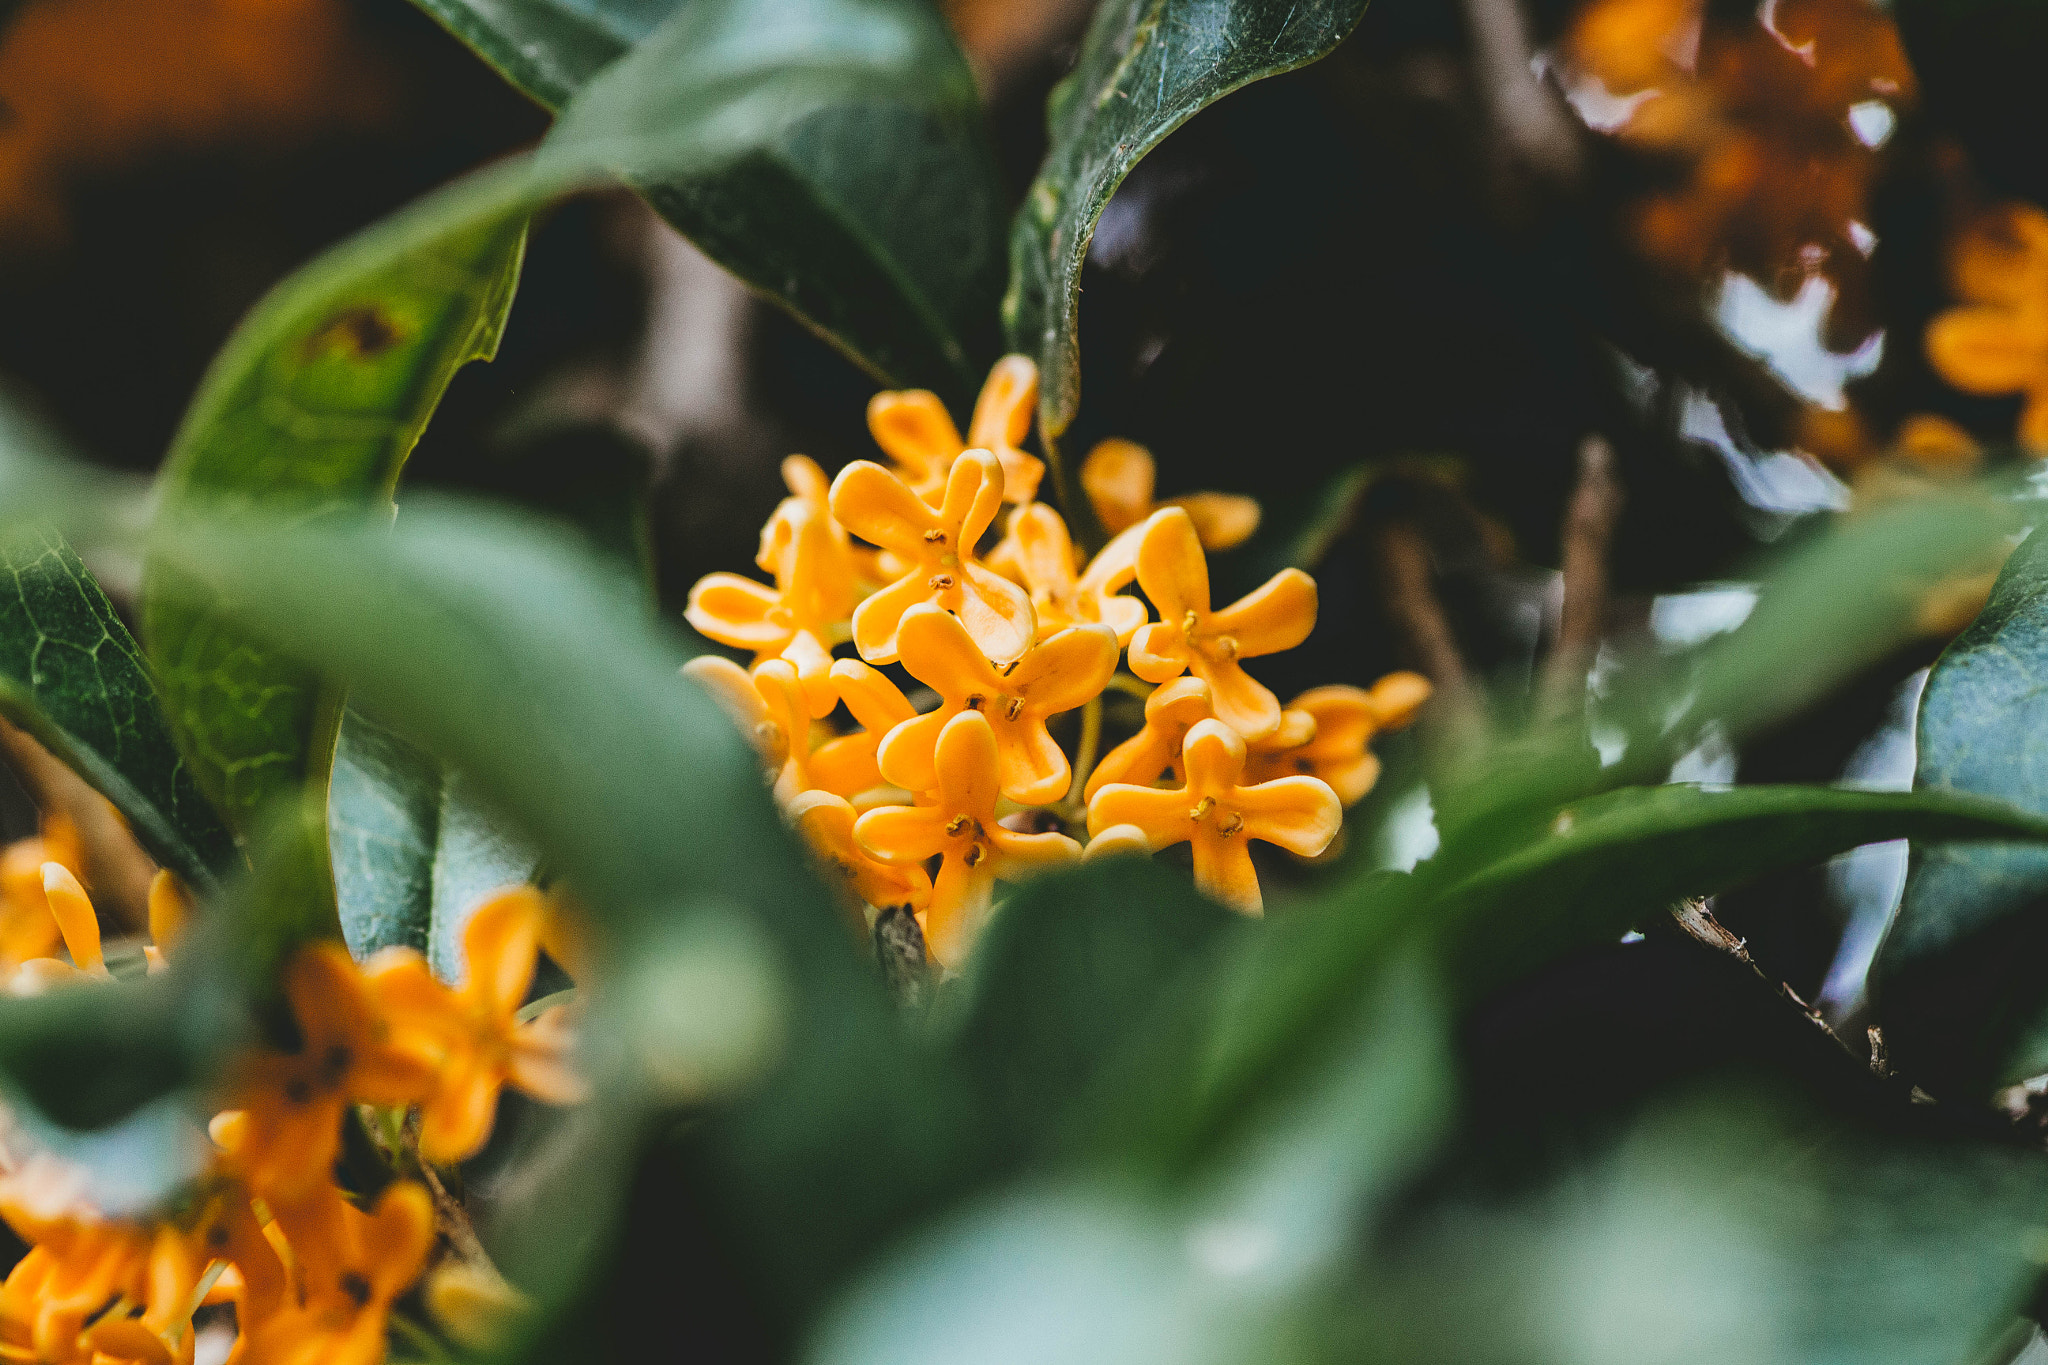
1956,981
1725,1225
829,153
72,676
1146,67
314,404
1602,864
1211,1271
550,48
1073,964
413,852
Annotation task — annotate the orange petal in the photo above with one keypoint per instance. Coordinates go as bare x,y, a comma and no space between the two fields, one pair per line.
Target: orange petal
1118,478
75,917
967,766
732,687
974,494
1159,652
1034,769
1240,701
996,612
1398,697
737,611
958,910
1116,842
401,1228
804,479
1171,567
916,431
456,1122
1002,413
1066,670
1300,814
1276,615
1214,754
876,703
903,834
1224,872
1020,854
937,650
908,754
1986,350
875,620
1222,520
880,508
169,908
1115,565
500,945
1163,815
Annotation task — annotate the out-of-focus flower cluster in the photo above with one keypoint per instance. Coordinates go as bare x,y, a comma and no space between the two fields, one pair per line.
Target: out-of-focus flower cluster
930,809
1772,124
310,1269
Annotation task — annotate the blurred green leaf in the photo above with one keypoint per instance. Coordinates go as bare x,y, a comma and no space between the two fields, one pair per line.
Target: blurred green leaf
828,152
1728,1225
1086,1270
510,650
1146,67
72,676
1072,965
1956,979
1590,876
550,48
413,852
314,404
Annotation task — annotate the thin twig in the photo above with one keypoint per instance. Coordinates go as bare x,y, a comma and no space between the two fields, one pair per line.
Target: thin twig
1588,531
1407,580
1698,923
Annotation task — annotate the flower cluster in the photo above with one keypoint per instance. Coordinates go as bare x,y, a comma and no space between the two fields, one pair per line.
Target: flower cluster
310,1269
930,808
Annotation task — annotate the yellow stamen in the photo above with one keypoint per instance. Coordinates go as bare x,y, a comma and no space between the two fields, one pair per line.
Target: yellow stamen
955,825
1202,808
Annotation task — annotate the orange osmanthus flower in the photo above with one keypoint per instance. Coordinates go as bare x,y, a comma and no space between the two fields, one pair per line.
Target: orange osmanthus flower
479,1043
27,929
914,429
349,1052
1346,719
960,828
355,1264
1039,553
1118,478
1190,637
1996,342
1058,675
1170,712
1219,815
938,545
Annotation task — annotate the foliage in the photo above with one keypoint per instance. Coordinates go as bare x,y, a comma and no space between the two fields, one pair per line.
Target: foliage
441,822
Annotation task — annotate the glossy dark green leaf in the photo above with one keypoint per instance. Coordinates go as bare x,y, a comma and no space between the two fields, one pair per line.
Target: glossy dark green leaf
1955,979
829,153
550,48
413,851
314,404
1146,67
72,676
1212,1270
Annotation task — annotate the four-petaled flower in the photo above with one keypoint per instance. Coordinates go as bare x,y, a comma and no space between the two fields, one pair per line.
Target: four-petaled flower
960,828
1188,636
938,545
915,430
1039,553
355,1265
1118,477
1219,816
481,1043
1346,719
1058,675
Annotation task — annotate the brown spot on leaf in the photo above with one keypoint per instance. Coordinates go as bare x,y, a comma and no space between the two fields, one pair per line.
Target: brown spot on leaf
364,331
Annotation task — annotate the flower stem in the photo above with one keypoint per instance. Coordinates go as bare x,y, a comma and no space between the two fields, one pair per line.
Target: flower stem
1084,756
